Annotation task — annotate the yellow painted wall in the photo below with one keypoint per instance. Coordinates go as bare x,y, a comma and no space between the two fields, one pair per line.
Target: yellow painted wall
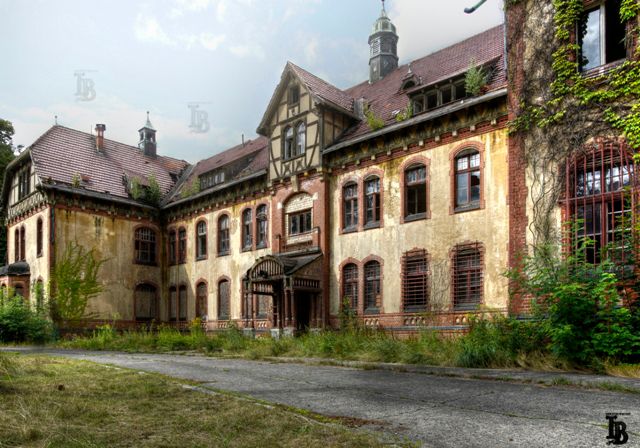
113,239
212,269
438,234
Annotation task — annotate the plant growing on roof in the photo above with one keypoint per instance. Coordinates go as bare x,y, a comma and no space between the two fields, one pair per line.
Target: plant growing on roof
135,189
475,79
405,113
154,193
76,181
373,121
191,189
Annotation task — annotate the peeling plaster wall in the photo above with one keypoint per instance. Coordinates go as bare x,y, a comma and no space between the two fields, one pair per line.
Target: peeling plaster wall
113,239
437,234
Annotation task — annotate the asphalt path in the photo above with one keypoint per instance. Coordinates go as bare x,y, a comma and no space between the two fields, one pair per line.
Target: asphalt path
435,410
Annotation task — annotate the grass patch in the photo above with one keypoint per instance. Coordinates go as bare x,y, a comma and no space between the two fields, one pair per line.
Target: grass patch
63,403
623,370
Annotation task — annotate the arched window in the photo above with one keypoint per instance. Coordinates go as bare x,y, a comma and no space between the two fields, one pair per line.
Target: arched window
350,285
372,201
467,180
262,226
16,245
182,245
146,302
247,229
145,245
224,300
350,206
467,277
223,235
201,245
415,192
182,303
415,281
288,142
201,301
301,139
23,243
173,246
39,238
173,304
372,291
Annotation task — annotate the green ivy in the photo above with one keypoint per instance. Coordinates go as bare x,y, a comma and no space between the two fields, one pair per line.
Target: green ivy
620,84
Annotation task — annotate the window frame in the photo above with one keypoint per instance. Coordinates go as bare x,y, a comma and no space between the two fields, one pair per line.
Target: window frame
223,241
288,142
370,282
262,215
183,309
377,200
39,237
293,95
173,296
156,310
469,204
220,314
16,245
142,246
303,221
182,245
409,290
407,167
172,240
350,220
350,286
200,299
202,240
246,235
604,36
461,299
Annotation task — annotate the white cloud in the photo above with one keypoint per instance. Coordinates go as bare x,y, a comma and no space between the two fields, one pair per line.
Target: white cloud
311,50
221,10
246,50
425,27
147,29
211,41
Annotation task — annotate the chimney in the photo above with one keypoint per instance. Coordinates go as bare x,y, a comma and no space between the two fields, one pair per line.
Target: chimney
100,128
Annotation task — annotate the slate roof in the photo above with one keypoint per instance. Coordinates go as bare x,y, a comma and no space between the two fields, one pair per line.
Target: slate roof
62,154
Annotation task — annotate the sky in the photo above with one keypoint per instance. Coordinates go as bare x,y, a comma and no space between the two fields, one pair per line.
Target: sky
204,69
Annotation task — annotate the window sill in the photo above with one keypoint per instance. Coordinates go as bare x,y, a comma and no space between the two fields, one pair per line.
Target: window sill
289,159
467,208
415,309
39,255
261,246
246,249
602,70
369,311
350,229
223,254
372,225
201,257
143,263
417,217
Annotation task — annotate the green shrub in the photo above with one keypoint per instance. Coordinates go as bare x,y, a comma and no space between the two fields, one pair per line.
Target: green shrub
19,323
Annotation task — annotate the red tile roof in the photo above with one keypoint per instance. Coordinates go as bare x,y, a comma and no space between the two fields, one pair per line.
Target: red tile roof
258,162
62,154
384,96
322,89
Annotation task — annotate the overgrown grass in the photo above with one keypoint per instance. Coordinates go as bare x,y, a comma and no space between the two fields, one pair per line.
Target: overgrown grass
63,403
491,343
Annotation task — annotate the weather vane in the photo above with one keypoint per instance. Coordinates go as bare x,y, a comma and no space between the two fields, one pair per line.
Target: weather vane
469,10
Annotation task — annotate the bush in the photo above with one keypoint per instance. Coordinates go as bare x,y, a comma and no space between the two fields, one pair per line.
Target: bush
19,323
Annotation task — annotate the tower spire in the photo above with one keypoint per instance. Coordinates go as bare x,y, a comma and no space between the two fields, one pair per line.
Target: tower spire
383,42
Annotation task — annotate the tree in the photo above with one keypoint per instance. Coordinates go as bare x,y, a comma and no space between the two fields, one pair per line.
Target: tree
6,156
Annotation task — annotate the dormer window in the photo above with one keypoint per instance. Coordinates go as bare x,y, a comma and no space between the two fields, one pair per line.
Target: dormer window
294,95
439,95
211,179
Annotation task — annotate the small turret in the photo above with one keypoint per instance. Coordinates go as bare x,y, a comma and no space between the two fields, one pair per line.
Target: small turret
148,138
383,43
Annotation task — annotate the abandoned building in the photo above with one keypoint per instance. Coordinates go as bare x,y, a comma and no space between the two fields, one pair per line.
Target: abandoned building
404,198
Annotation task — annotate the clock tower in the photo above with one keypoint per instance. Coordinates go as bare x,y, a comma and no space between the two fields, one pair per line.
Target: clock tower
383,44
